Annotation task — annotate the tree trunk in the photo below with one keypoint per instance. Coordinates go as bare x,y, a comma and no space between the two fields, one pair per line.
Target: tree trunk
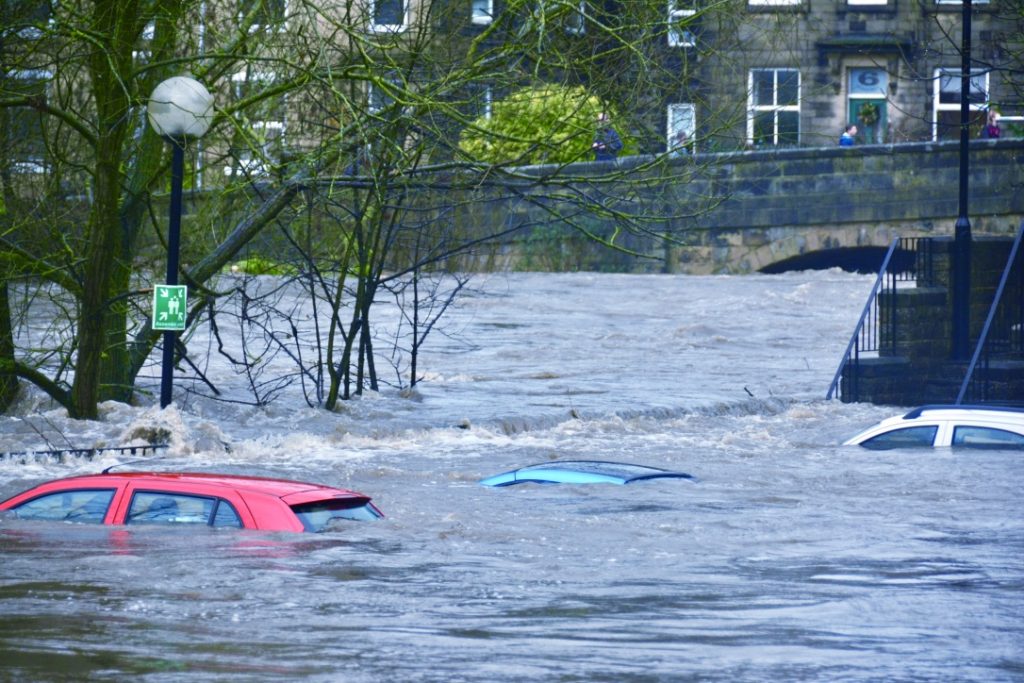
8,381
94,338
104,272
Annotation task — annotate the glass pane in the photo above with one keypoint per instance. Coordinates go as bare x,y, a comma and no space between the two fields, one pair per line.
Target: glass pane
23,126
169,508
388,13
317,516
789,127
911,437
789,88
764,129
268,12
985,437
868,82
764,87
85,505
949,88
226,516
481,11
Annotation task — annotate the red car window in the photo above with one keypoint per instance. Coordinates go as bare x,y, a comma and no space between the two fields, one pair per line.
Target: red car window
74,505
162,507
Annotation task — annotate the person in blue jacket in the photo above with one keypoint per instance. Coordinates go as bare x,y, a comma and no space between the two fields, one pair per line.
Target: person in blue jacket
607,143
846,139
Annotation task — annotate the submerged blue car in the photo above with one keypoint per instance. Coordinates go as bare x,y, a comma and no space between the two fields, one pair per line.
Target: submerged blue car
582,472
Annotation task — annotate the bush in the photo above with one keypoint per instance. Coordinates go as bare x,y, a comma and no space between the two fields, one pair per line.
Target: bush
549,124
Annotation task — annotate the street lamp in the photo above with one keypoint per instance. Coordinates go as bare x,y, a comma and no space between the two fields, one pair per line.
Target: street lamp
179,109
962,234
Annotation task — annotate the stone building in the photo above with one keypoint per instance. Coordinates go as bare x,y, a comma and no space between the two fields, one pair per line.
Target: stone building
806,68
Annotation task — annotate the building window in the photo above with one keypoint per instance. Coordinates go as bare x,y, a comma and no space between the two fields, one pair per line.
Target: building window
259,139
378,99
774,113
22,129
483,11
871,3
264,14
946,107
28,18
681,129
483,101
680,13
389,16
575,23
958,2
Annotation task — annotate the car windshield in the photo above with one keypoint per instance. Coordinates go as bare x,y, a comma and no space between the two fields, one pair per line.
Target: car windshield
320,515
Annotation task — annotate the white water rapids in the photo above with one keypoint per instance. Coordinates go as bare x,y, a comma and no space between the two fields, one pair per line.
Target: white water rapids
792,558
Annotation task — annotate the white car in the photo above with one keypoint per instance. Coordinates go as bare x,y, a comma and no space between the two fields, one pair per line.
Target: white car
997,427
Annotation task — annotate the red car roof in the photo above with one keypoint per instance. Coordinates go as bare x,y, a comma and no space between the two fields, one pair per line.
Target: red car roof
279,488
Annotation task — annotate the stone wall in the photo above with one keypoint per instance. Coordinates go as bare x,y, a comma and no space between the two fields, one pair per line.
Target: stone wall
742,211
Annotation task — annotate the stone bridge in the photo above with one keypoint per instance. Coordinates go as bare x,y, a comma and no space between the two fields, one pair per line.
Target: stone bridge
789,209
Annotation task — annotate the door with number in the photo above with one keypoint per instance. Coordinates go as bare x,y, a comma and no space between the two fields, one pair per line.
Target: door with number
866,104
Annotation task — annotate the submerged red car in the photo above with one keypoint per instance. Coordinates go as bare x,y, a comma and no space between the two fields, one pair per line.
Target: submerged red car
172,498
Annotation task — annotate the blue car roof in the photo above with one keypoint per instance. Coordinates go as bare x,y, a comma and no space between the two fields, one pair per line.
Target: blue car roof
581,472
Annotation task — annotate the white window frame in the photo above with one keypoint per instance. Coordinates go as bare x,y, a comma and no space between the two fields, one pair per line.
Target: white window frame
871,3
32,165
775,3
277,27
148,32
774,108
488,98
938,106
250,164
681,116
960,2
576,24
675,14
389,28
482,12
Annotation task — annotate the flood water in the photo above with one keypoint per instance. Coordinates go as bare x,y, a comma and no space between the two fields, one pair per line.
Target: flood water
790,558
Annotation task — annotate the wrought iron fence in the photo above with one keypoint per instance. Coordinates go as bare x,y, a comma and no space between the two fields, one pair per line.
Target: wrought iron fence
1002,336
912,260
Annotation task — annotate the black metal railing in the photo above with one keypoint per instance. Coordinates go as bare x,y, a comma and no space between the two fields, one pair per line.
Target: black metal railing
64,455
908,260
866,336
1002,336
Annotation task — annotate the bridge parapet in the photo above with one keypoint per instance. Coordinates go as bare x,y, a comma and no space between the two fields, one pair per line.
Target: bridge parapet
744,211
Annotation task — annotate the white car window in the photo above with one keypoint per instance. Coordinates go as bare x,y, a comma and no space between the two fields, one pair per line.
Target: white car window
967,436
906,437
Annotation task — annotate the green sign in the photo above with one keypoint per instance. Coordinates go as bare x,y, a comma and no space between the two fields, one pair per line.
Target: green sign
169,307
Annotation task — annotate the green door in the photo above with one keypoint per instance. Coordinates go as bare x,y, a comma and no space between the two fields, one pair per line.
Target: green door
871,118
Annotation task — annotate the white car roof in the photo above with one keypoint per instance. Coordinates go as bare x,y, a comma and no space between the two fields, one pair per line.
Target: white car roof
1005,417
973,412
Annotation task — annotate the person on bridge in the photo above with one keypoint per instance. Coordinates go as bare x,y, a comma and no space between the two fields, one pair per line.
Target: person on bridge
847,138
991,129
607,143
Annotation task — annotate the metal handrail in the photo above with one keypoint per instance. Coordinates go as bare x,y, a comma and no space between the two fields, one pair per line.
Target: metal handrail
863,318
61,454
991,314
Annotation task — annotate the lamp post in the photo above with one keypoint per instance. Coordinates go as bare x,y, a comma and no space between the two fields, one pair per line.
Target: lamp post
962,235
179,109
